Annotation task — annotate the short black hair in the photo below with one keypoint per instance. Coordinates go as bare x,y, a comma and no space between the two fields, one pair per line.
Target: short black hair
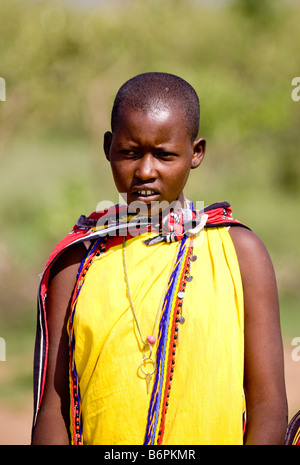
159,90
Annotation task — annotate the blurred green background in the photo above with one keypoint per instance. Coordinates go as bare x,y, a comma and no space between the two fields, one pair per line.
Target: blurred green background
63,63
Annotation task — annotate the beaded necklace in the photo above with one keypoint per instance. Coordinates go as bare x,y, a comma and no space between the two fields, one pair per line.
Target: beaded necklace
150,339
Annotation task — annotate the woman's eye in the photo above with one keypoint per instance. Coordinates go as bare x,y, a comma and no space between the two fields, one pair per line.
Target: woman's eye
165,155
129,153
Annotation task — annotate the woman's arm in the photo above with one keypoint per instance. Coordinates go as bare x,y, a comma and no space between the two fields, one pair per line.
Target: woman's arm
52,426
264,371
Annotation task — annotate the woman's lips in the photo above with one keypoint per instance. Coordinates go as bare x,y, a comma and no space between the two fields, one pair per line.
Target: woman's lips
146,195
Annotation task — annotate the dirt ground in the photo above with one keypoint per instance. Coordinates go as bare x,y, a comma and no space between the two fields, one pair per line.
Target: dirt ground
16,422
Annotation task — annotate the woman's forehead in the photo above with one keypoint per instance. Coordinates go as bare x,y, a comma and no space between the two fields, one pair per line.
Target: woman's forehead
165,121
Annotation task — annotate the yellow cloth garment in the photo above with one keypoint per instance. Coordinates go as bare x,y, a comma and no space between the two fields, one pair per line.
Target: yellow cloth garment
206,399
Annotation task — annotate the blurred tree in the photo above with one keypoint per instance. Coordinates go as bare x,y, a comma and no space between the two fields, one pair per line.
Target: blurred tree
254,8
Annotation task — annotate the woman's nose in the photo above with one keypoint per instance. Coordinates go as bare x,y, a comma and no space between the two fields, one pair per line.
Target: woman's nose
146,168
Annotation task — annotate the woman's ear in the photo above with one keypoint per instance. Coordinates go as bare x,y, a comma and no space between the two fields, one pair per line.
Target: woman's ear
107,143
199,147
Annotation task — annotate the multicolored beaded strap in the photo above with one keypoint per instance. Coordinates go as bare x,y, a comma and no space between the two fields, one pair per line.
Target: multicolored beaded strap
292,436
166,350
167,343
296,440
76,417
